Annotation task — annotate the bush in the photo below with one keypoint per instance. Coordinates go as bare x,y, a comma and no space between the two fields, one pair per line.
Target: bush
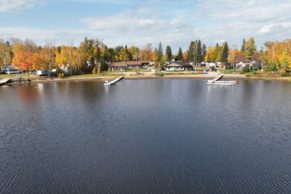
283,73
246,69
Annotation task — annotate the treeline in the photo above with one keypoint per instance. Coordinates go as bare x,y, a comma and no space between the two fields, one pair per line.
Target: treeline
94,55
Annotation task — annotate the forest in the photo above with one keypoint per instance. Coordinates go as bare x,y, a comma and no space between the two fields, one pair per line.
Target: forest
93,53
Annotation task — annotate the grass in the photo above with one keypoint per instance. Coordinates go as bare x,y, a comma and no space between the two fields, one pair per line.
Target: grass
13,76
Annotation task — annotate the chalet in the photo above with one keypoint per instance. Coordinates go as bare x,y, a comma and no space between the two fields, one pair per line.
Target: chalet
179,66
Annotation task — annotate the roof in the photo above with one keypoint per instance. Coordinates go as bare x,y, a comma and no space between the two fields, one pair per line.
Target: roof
179,64
128,63
134,63
118,64
241,58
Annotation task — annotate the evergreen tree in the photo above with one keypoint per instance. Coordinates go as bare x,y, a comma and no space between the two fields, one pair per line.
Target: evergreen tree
160,52
243,45
180,56
191,51
169,54
225,50
204,52
199,52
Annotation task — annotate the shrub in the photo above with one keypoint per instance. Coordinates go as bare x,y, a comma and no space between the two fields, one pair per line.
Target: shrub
283,72
246,69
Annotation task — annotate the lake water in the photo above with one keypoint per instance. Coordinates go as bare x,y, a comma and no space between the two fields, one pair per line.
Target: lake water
146,136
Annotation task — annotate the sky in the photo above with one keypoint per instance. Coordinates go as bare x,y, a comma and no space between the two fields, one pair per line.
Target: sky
139,22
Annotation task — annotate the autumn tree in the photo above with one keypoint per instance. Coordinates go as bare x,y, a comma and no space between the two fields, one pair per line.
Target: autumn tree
23,52
146,53
211,55
277,56
134,52
234,55
6,53
250,48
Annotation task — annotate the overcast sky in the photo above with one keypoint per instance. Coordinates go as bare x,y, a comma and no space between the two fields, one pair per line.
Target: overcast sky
138,22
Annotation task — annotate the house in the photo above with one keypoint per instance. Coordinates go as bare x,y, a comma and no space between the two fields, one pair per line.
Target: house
9,69
211,64
179,66
137,64
242,62
121,66
117,66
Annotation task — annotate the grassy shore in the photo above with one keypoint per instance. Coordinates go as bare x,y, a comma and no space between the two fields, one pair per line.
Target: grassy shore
145,75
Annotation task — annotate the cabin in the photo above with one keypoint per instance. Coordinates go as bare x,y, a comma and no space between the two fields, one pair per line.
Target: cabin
179,66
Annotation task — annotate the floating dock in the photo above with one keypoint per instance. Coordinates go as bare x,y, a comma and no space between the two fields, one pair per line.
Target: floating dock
216,81
109,83
5,81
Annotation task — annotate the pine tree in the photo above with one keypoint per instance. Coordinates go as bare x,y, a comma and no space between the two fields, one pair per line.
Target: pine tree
160,52
199,52
169,54
180,56
225,50
243,45
191,51
204,52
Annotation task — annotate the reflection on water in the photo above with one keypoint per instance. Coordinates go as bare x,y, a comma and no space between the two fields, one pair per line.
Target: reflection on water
146,136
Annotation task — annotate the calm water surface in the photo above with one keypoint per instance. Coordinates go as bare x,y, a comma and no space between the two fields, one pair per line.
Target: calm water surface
146,136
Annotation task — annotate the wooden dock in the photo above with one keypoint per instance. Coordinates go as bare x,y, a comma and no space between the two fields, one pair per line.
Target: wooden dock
5,81
109,83
216,81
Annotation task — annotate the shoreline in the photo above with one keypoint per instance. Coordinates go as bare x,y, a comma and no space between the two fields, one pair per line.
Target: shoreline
104,78
204,77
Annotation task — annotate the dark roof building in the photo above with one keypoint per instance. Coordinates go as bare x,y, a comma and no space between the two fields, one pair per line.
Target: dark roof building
179,66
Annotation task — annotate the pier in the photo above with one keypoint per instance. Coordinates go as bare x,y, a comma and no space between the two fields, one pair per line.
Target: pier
216,81
109,83
5,81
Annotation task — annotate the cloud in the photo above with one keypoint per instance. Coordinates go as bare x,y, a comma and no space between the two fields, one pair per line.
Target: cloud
13,5
43,36
172,22
138,27
210,20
